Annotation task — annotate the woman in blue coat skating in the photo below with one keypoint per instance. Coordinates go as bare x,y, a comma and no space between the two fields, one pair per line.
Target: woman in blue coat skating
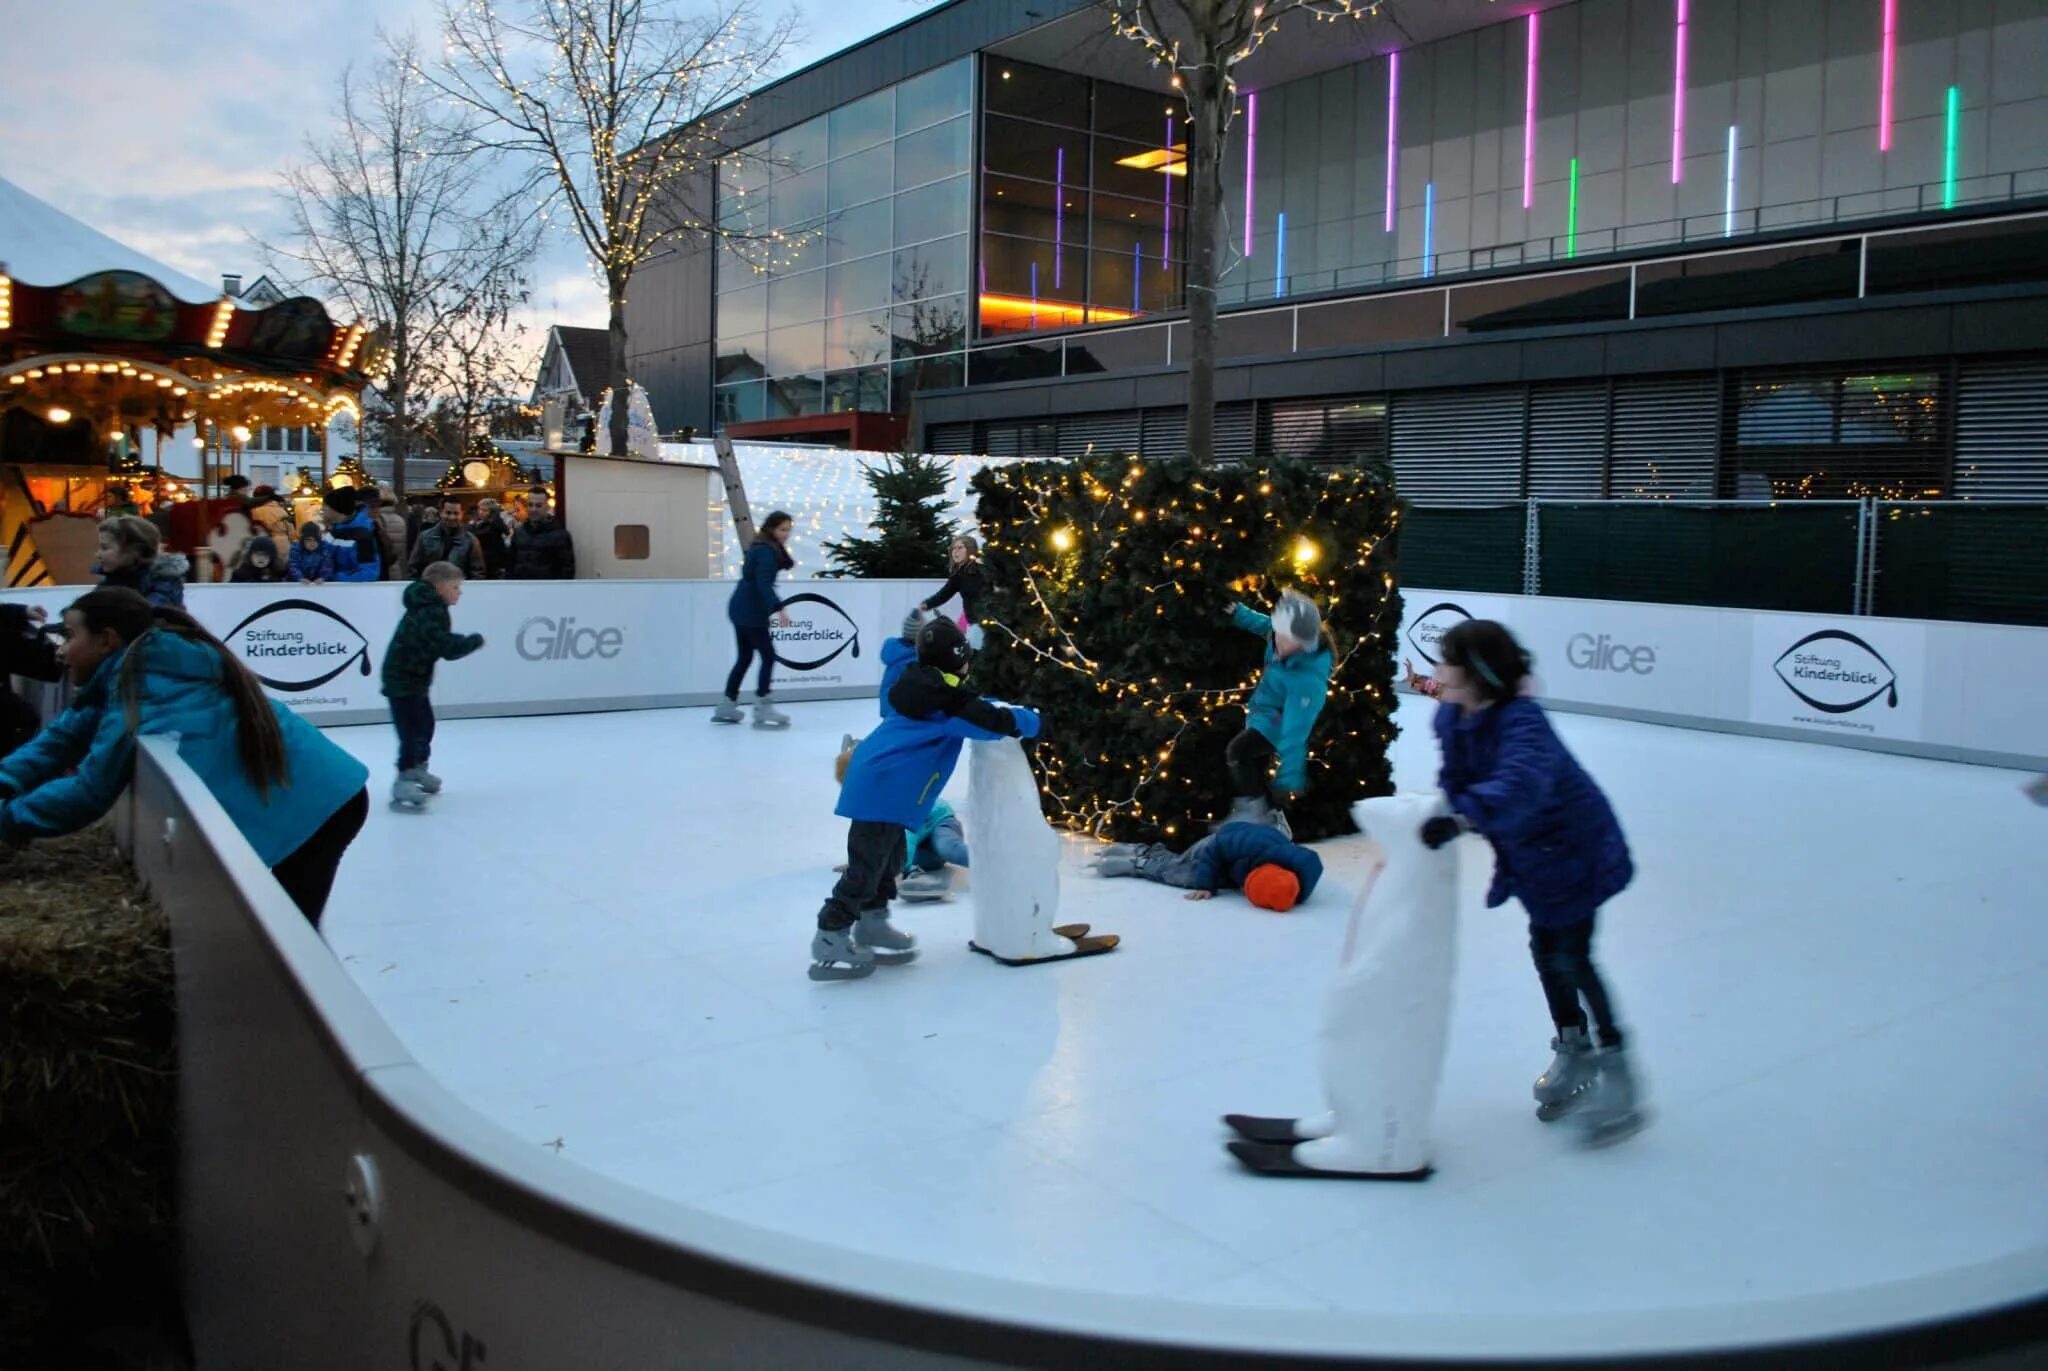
1557,847
752,605
297,798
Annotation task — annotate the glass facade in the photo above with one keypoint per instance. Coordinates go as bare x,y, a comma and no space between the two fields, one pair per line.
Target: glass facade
1608,125
843,282
1083,201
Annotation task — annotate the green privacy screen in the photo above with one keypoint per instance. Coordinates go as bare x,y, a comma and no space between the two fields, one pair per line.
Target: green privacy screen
1980,563
1784,556
1449,548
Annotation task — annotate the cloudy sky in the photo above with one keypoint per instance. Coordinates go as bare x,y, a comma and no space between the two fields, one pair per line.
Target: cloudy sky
163,123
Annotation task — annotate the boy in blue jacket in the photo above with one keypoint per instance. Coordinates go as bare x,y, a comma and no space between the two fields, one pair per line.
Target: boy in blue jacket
1282,711
891,784
1273,872
1557,847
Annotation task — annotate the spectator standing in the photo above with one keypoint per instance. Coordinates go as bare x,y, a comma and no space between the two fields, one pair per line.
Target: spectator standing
131,554
449,540
390,525
348,521
542,549
493,535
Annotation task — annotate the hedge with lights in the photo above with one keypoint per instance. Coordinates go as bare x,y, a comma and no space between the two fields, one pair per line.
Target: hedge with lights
1109,583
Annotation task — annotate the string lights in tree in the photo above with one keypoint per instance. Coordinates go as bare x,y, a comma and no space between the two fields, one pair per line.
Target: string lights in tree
1110,580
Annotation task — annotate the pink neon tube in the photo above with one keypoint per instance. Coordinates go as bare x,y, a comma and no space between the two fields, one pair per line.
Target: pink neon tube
1678,103
1529,122
1393,105
1251,148
1884,96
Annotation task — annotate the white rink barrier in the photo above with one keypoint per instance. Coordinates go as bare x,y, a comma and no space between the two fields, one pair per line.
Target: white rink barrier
549,646
1963,692
1956,691
340,1210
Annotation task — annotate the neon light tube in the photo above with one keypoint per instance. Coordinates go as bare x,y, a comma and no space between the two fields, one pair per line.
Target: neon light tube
1280,258
1059,200
1529,121
1137,274
1728,192
1251,147
1429,229
1678,102
1571,214
1393,107
1034,293
1884,88
1166,233
1948,159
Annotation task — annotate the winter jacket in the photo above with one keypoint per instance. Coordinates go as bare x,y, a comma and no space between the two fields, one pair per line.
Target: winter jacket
753,599
162,582
392,542
1240,848
542,551
899,769
491,539
24,651
358,533
442,543
968,581
942,813
272,518
317,564
424,637
1556,842
246,569
1289,697
181,692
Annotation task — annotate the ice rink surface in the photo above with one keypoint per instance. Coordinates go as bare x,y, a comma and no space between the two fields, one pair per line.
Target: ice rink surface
1834,966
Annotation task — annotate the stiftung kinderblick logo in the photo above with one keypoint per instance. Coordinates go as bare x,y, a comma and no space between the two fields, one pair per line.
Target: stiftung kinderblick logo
808,634
546,639
1430,627
298,645
1837,672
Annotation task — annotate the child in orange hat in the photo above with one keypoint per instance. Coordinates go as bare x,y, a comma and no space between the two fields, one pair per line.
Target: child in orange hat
1273,872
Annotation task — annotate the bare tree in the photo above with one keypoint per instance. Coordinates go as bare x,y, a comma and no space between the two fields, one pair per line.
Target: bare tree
395,216
483,361
622,108
1201,42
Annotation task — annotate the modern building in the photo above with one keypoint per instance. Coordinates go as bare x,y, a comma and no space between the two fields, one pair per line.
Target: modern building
1599,249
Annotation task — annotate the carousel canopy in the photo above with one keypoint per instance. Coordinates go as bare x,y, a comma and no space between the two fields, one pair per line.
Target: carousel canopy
41,245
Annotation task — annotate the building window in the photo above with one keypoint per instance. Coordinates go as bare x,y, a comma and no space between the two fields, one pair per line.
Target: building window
855,255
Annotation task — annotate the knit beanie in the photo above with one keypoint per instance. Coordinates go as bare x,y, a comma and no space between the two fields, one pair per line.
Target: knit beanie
1297,616
1272,886
342,500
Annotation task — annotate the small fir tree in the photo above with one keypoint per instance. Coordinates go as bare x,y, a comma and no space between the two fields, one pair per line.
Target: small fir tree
912,532
1108,584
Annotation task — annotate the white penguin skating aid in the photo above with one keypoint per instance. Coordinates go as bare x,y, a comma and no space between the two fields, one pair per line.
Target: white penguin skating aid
1017,865
1386,1021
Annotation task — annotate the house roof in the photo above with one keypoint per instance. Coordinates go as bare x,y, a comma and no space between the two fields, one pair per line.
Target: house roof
41,245
589,354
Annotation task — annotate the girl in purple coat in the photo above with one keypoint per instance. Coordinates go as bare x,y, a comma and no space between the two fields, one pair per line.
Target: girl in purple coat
1557,847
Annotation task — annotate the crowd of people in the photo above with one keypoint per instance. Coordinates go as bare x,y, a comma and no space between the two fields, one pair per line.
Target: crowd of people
364,535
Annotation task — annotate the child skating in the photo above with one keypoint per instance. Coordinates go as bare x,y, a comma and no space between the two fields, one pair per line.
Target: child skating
929,849
1273,871
425,636
1283,710
892,781
1557,847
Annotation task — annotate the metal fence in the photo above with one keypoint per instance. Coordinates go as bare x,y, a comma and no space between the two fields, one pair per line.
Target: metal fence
1973,561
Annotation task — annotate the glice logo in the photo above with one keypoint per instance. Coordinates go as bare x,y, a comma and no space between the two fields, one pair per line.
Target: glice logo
298,645
1430,627
1589,653
542,639
1837,672
806,632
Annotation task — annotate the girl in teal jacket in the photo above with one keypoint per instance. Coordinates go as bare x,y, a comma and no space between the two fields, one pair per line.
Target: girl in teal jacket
297,798
1282,712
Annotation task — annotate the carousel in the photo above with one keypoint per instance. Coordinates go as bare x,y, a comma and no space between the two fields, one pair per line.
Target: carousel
104,373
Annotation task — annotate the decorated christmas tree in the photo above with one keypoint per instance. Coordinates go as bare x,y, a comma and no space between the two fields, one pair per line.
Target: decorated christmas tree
1110,581
912,532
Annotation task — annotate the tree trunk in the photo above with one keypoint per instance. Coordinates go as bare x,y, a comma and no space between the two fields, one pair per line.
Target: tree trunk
1208,117
394,438
620,390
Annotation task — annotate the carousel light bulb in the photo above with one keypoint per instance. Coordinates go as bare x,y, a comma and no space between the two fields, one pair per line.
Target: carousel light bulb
199,442
241,433
59,414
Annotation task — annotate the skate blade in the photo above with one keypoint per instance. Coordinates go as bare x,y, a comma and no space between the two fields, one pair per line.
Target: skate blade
1550,1111
892,957
409,806
765,726
835,971
1277,1159
1608,1134
1252,1128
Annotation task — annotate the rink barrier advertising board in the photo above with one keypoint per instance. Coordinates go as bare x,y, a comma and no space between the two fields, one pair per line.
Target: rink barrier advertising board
1948,690
1951,690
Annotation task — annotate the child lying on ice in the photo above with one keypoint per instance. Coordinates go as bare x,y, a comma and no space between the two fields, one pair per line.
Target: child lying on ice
1274,872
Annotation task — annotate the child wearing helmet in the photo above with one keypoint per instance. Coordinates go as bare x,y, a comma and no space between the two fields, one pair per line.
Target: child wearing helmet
892,782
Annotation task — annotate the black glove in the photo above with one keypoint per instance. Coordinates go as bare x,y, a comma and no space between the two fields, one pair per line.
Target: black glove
1440,830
